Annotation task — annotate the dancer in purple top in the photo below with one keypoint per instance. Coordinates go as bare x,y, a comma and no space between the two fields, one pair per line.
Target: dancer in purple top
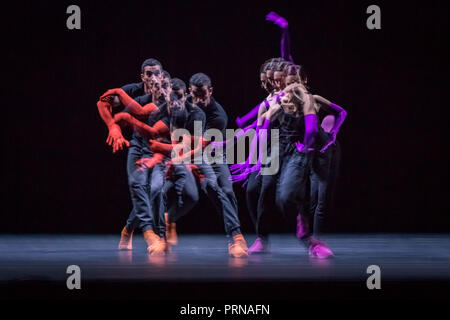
318,144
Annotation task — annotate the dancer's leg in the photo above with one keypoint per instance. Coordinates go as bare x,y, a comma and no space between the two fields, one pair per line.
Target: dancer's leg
156,198
252,193
181,193
319,193
223,179
291,187
238,246
138,183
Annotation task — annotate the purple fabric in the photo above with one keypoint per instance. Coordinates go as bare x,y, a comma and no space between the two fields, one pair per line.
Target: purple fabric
244,130
242,170
277,19
311,130
240,121
285,36
339,120
342,114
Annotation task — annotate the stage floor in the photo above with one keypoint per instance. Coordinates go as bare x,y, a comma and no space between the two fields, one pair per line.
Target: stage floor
406,261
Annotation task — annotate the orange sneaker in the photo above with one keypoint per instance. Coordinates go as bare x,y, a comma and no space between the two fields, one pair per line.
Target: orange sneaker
238,249
155,245
126,239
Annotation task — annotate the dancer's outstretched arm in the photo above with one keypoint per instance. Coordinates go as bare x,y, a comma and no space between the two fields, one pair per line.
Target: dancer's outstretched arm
159,128
340,118
186,145
240,121
115,137
311,128
242,170
129,103
285,36
161,147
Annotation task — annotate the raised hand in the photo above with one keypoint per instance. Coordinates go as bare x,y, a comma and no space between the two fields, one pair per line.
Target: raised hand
277,19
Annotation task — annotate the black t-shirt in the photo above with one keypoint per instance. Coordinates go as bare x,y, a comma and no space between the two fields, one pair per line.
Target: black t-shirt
292,130
152,118
134,89
216,117
183,119
136,139
194,114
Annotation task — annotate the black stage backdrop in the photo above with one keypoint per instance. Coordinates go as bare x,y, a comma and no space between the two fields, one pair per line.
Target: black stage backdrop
58,175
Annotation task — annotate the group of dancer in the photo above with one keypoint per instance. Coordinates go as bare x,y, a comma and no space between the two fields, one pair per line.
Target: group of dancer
164,183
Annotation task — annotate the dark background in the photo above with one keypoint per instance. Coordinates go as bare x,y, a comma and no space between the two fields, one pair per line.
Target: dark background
58,174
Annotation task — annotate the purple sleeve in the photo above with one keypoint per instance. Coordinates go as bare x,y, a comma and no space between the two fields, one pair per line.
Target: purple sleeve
311,130
340,118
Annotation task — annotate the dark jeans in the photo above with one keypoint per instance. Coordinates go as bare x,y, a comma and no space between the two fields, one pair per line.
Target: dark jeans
180,192
323,175
145,189
292,184
223,198
223,179
252,193
260,201
266,203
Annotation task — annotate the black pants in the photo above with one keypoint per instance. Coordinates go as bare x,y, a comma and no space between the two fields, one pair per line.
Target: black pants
223,180
145,188
323,175
223,199
260,197
252,192
180,192
291,189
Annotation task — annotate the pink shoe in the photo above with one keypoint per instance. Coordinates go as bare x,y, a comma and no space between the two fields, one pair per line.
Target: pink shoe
318,249
259,246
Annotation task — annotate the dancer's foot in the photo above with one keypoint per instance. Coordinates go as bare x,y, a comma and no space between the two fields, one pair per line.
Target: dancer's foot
158,248
319,249
171,231
155,245
238,249
126,239
259,246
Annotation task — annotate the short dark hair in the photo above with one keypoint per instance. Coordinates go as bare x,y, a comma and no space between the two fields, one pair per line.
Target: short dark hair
266,63
166,74
200,80
178,84
150,62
